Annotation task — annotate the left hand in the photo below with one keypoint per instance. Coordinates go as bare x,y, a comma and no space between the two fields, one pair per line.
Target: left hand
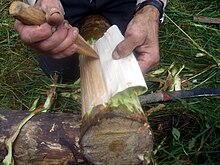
142,36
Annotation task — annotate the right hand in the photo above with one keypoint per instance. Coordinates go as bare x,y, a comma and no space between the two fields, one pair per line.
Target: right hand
55,37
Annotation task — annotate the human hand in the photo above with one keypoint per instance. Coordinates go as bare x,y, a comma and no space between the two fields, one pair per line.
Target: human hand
142,36
55,37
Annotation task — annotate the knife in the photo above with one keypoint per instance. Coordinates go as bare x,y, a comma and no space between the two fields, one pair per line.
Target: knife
177,95
32,16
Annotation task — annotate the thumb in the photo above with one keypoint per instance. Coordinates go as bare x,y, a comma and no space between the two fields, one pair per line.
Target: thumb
124,48
53,9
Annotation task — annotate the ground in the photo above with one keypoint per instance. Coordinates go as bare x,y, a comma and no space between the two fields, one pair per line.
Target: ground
186,131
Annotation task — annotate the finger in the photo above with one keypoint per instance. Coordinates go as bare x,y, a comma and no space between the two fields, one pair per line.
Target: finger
48,4
56,39
132,39
19,26
31,34
66,53
68,42
53,9
124,48
54,17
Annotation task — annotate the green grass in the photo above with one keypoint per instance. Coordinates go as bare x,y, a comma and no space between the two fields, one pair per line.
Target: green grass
197,121
186,131
21,80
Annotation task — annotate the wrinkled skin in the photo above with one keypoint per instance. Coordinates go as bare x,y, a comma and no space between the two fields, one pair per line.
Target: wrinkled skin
142,36
57,38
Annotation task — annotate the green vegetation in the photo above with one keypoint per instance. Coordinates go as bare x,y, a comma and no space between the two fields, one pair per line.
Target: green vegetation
186,131
21,80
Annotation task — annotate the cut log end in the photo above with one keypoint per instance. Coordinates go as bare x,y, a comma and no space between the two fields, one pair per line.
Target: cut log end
117,139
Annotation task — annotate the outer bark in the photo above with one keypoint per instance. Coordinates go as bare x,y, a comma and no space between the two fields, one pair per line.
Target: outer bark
46,139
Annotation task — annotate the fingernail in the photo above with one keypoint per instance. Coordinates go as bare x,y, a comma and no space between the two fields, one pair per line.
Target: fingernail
115,55
75,32
53,11
66,24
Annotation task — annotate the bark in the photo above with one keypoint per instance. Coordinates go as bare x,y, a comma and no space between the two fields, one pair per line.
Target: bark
48,138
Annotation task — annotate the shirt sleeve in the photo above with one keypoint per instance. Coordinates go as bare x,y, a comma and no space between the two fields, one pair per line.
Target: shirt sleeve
164,2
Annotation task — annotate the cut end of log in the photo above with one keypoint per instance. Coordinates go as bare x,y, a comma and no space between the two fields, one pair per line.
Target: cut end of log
117,139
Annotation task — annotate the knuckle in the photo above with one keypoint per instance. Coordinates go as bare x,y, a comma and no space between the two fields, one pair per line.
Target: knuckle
70,38
135,36
72,34
75,29
120,49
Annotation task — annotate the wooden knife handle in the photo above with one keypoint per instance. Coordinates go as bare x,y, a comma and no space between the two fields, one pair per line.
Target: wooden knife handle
32,16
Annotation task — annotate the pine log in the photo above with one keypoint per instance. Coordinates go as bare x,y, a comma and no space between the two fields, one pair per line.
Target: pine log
110,134
48,138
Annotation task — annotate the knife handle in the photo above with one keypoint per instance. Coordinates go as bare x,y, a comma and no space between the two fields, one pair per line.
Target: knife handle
32,16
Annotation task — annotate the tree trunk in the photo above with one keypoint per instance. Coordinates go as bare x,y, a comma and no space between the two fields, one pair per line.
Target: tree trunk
48,138
110,134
